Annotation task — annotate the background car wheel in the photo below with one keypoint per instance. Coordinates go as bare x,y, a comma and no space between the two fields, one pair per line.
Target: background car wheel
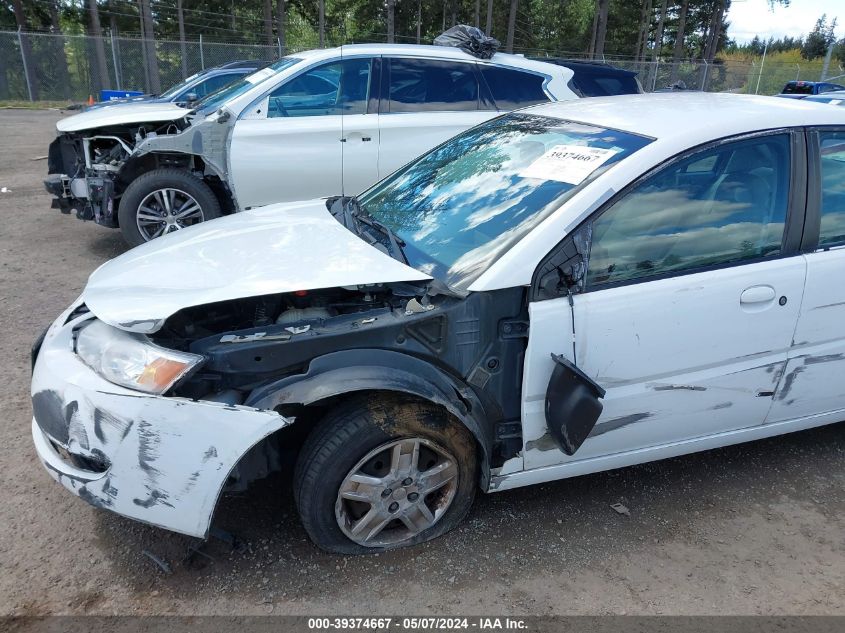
379,473
162,201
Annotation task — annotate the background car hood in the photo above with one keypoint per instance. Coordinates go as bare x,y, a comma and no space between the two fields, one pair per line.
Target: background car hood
272,249
121,114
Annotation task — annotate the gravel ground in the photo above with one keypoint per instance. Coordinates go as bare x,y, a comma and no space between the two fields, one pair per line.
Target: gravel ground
751,529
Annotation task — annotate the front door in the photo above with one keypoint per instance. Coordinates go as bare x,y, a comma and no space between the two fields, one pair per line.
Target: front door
291,145
691,296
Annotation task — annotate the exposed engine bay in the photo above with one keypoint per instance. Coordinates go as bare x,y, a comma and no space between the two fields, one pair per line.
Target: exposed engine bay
255,346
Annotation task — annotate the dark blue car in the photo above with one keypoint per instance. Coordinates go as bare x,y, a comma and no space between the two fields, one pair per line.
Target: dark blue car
802,89
196,86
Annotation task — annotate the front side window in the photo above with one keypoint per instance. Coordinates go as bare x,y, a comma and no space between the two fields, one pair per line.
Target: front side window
512,89
336,88
832,229
722,205
210,85
462,205
428,85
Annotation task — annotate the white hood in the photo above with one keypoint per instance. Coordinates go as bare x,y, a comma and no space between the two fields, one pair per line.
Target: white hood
273,249
121,114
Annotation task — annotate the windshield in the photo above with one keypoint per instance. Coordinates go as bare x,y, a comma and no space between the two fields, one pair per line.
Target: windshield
174,90
209,104
459,207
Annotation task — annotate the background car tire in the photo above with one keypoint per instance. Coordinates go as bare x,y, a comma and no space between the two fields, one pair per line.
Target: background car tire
159,180
354,429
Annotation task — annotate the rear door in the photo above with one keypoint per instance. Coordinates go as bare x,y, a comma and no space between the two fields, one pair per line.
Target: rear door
423,103
812,383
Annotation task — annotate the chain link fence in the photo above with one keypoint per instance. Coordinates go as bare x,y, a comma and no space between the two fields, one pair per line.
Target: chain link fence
56,67
45,66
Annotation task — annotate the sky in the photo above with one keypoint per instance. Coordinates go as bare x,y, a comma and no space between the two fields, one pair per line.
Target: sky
752,17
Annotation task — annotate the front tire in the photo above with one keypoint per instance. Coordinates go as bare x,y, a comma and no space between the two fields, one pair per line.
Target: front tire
163,201
381,473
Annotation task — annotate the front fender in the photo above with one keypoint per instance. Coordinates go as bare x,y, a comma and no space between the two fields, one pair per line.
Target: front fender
351,371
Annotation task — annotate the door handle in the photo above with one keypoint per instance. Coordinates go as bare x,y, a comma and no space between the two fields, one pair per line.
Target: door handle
757,294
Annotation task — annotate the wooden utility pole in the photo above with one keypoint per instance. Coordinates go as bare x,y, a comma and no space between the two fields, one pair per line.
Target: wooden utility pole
511,26
268,22
180,16
601,28
322,22
280,24
489,28
678,48
658,45
26,50
102,79
391,9
152,58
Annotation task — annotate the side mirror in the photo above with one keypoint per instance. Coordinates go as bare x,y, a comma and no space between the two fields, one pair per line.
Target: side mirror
192,97
564,271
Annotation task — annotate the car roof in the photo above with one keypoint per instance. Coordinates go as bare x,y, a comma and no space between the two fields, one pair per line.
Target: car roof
243,63
426,50
698,115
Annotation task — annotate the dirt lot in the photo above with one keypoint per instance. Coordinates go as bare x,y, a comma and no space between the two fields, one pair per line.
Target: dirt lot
757,528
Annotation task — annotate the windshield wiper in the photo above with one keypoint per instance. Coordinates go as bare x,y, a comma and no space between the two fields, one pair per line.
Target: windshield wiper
350,213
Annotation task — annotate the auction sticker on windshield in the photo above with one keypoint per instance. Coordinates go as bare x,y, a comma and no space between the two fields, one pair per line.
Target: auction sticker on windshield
568,163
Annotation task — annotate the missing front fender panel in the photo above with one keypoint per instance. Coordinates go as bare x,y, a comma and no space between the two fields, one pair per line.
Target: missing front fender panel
573,405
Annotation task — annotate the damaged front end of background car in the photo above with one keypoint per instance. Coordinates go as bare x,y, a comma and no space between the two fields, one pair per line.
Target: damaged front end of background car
90,169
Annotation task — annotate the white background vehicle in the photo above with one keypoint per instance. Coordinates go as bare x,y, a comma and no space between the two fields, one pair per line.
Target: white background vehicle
318,123
568,289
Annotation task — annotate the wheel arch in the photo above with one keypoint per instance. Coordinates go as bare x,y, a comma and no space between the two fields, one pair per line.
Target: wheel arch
141,163
352,372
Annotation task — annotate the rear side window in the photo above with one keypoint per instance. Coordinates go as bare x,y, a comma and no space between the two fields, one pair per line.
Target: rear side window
832,229
797,88
684,219
512,89
423,85
604,85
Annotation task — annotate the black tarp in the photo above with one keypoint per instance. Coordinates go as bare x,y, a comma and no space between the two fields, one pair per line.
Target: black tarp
469,39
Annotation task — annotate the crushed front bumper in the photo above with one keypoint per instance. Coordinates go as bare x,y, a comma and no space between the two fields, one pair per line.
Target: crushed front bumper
92,197
159,460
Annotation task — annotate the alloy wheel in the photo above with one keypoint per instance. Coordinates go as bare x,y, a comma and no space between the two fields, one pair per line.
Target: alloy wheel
396,491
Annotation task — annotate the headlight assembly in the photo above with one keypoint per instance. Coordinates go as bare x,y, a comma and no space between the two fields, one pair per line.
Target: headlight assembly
131,360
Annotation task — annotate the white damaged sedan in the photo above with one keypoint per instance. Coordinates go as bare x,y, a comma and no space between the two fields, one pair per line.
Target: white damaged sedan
563,290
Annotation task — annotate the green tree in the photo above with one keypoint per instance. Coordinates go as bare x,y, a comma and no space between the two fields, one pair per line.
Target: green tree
819,39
